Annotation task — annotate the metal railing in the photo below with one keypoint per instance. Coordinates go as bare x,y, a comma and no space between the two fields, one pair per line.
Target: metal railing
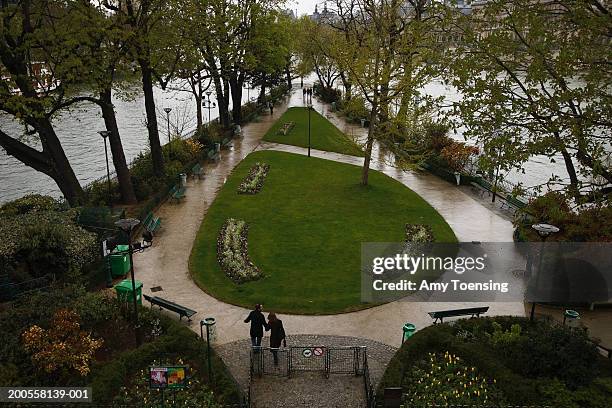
328,360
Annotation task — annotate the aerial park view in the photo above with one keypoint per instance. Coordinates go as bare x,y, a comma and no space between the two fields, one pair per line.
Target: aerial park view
274,203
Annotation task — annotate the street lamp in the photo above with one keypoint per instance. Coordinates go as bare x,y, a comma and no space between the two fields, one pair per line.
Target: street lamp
168,110
309,109
544,230
127,225
105,134
208,104
209,322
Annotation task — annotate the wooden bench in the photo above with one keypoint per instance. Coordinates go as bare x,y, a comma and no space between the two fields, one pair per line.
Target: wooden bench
177,193
286,128
197,171
213,154
151,223
173,307
471,311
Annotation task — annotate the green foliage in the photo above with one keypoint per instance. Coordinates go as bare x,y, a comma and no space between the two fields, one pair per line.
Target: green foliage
532,363
42,243
583,224
446,379
327,94
30,203
354,109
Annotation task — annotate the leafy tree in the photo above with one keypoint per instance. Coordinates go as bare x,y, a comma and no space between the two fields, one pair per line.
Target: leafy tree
37,63
535,78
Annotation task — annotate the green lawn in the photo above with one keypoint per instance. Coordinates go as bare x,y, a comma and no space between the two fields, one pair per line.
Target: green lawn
306,230
323,134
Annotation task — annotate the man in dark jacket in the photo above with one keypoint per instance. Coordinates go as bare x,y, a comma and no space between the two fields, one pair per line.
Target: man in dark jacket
258,324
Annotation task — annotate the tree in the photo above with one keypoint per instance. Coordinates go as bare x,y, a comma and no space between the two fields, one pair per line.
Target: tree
37,66
156,43
536,76
382,48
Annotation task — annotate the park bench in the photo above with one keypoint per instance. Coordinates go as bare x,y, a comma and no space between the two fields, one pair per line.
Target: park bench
471,311
482,187
511,201
213,154
151,223
226,142
197,171
177,193
286,128
173,307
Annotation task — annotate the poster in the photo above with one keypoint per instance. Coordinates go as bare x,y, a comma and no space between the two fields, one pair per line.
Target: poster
170,377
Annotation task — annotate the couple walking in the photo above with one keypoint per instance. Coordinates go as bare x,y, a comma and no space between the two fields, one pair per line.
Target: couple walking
274,325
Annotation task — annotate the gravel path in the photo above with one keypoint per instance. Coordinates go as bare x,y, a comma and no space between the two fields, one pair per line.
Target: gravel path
338,391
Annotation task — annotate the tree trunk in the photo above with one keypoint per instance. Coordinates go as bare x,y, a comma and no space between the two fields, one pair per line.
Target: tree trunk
369,143
348,86
288,74
198,100
123,173
156,151
236,90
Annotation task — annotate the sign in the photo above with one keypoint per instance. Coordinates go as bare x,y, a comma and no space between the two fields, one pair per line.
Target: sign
307,353
318,351
168,377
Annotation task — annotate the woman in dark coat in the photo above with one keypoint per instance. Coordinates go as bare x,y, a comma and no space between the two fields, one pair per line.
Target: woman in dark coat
277,335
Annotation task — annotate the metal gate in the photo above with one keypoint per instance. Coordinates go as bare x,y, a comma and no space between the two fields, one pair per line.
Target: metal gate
328,360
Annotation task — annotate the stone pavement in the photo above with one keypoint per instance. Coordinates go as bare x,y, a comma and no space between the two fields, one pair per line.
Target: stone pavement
236,356
166,263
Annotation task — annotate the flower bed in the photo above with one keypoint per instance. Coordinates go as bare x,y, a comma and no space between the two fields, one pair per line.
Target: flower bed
233,253
253,182
419,233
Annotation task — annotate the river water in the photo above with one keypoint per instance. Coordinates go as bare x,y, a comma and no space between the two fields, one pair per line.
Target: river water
78,131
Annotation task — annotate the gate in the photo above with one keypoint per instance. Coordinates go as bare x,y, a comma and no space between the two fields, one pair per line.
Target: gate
328,360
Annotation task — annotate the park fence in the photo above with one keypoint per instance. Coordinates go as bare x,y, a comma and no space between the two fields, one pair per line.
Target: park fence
290,360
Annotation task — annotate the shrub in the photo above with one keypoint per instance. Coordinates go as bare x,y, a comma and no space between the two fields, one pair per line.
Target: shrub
328,95
355,109
457,155
445,379
30,203
42,243
62,346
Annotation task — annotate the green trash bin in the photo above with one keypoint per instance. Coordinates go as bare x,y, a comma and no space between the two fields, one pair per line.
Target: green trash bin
124,291
408,331
120,261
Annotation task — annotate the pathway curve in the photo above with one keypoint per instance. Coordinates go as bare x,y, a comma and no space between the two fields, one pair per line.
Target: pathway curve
166,263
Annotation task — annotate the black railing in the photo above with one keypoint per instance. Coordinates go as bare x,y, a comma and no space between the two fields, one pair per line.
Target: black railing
328,360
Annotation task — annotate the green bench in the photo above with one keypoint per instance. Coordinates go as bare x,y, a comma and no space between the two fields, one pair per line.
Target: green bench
213,154
197,171
511,201
286,128
177,193
470,311
173,307
151,223
226,142
482,187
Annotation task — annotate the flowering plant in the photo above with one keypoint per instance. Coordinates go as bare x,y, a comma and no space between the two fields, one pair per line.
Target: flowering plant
233,253
253,182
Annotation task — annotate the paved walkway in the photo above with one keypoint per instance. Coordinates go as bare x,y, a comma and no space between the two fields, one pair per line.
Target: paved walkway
166,263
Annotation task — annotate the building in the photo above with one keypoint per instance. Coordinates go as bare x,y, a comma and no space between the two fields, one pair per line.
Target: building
325,16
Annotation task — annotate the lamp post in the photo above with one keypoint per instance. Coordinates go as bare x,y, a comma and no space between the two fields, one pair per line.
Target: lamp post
105,134
544,230
208,104
168,110
209,322
127,225
309,109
